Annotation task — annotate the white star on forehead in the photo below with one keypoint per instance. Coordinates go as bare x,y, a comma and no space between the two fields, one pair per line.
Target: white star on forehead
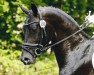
42,23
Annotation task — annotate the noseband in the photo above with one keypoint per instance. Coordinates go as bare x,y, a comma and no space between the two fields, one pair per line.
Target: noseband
37,47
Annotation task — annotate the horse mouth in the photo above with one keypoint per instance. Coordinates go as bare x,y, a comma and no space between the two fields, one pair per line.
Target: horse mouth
28,63
25,63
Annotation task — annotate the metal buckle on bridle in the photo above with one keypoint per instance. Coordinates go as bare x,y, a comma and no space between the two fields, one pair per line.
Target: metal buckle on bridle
37,51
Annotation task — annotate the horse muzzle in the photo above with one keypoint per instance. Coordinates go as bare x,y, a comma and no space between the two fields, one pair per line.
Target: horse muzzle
30,52
27,59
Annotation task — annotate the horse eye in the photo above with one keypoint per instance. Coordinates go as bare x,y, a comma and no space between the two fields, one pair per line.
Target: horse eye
33,26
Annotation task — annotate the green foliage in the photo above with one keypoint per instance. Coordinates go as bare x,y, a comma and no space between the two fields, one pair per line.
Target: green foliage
10,65
8,25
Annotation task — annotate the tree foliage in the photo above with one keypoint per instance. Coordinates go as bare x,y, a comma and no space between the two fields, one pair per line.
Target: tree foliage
12,18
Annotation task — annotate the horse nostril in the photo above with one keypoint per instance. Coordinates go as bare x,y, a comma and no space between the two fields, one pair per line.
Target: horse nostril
26,60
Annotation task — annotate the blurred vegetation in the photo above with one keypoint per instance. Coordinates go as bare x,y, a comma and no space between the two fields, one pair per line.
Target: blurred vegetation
11,22
10,65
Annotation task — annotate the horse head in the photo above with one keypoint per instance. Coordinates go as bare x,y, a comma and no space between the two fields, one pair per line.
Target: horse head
34,31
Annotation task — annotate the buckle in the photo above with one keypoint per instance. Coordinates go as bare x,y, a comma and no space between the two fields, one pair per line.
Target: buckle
38,51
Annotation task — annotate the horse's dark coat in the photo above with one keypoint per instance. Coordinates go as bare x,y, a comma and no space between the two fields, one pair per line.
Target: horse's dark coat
73,55
78,61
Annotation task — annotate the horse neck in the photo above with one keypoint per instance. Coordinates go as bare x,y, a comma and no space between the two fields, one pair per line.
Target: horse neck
62,28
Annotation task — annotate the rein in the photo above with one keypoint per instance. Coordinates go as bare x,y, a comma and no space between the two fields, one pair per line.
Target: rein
86,25
40,49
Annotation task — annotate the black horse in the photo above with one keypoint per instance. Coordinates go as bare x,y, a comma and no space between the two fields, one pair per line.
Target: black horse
49,24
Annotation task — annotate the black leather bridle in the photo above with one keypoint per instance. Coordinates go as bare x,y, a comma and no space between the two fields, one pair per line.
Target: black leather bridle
39,48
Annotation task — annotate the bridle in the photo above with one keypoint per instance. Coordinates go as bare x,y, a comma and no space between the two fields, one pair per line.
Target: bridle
39,48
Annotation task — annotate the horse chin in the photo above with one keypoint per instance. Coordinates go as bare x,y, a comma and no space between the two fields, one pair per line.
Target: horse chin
28,63
32,62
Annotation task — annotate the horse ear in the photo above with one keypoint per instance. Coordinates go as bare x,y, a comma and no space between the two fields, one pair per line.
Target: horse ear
34,9
24,10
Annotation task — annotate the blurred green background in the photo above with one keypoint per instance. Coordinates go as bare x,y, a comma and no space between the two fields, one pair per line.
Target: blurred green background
11,22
